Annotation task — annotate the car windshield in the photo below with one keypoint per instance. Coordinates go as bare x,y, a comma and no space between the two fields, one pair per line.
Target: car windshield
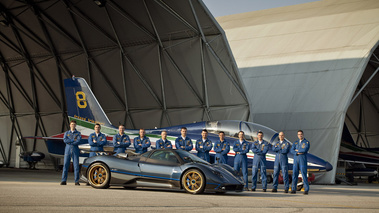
189,158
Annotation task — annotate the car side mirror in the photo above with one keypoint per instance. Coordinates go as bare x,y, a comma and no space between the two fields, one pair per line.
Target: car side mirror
188,159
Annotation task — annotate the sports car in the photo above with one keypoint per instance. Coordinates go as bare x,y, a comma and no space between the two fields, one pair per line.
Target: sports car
169,168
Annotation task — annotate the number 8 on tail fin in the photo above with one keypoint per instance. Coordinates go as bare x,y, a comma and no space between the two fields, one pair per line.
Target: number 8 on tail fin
82,103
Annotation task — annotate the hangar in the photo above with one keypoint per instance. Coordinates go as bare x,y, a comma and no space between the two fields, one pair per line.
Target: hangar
311,66
150,63
155,63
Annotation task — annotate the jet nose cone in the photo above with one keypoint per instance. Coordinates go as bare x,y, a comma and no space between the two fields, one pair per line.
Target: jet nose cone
328,166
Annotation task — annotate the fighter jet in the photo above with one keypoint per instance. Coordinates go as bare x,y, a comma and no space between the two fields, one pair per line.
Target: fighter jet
84,108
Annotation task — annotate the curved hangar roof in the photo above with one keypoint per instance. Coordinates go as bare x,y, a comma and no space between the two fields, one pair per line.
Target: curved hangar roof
150,63
302,66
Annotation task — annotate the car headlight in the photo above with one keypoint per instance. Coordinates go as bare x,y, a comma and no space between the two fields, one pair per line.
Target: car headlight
217,173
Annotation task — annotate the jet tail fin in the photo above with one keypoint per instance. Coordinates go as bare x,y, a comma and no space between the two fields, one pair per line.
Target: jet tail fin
82,103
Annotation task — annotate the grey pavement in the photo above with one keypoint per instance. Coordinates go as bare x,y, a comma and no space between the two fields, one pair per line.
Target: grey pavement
39,191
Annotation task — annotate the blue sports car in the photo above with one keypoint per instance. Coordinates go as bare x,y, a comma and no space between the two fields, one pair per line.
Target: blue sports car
169,168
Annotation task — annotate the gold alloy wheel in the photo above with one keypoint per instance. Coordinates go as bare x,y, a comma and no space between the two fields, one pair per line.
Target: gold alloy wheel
98,175
193,182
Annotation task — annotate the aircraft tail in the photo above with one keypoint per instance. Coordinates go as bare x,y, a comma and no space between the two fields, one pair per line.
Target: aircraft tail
82,104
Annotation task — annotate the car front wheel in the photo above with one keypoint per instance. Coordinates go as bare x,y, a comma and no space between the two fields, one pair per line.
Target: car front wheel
193,181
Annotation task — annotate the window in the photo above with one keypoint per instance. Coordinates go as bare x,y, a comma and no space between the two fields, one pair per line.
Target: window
146,154
162,155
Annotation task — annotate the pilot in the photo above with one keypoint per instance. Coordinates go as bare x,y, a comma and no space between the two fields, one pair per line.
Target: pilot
141,143
259,148
241,147
72,139
299,150
183,142
96,140
120,141
222,149
203,146
281,148
163,143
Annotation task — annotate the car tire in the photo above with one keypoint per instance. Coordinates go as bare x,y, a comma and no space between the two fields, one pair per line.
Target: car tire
269,178
193,181
98,176
298,188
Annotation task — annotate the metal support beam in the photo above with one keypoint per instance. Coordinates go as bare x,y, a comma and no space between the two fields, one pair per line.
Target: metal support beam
54,52
122,53
235,83
160,49
363,87
205,82
126,15
26,56
176,15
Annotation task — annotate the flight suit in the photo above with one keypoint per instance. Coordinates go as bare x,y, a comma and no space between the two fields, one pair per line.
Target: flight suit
203,153
240,159
186,143
163,144
300,161
101,140
222,149
120,143
281,162
259,151
145,143
72,140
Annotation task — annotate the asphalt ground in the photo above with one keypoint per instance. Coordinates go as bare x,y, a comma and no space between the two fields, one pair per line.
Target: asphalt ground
24,190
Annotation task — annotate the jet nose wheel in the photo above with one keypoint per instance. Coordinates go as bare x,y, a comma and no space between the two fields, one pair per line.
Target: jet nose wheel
98,176
193,181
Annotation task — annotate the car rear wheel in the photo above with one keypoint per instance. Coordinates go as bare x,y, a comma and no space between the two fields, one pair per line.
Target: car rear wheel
99,176
193,181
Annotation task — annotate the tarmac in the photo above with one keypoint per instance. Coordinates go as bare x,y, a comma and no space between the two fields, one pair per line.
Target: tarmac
24,190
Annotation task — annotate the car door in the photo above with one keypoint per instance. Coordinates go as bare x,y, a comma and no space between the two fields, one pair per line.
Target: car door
161,165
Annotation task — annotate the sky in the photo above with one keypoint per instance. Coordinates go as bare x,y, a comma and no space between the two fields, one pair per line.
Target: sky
229,7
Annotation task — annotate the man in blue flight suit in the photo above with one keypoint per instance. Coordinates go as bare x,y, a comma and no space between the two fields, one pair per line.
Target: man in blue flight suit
163,143
203,146
183,142
259,148
299,150
281,147
222,149
72,139
120,141
241,147
141,143
96,140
